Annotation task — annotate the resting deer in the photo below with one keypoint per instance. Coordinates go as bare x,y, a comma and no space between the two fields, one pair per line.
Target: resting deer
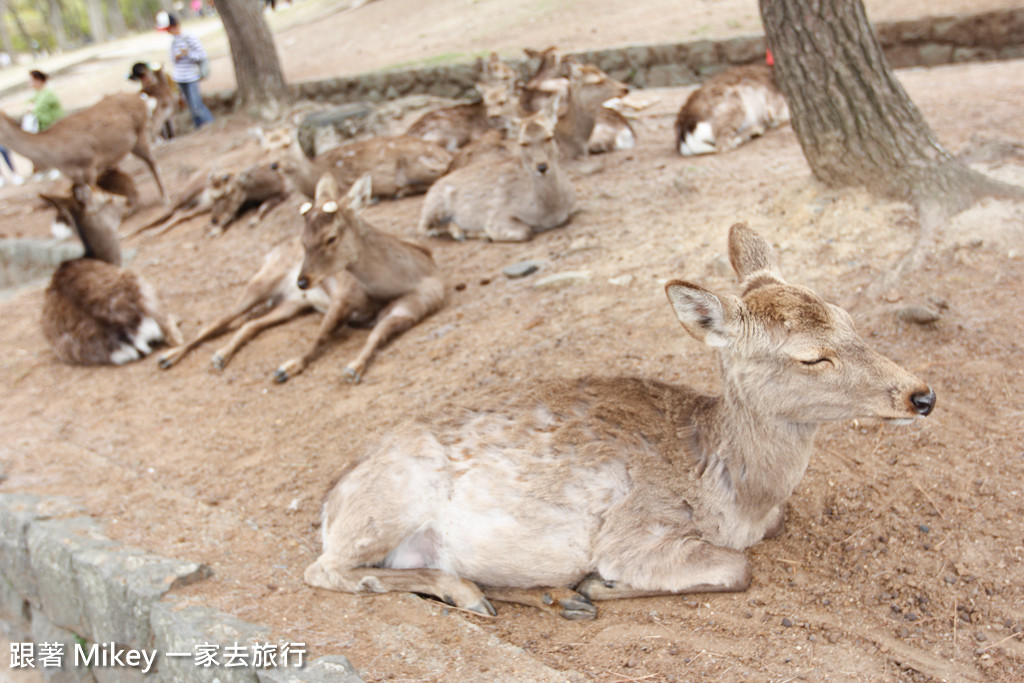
398,165
574,490
729,109
84,144
94,311
509,199
584,125
455,127
351,272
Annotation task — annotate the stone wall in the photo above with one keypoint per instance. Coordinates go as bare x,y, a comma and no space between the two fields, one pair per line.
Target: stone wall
917,42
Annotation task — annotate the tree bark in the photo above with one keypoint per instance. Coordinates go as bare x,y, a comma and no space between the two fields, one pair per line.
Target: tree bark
97,22
257,67
56,20
115,19
6,44
856,124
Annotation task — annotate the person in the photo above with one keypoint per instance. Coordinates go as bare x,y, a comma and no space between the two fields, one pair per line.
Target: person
15,178
46,108
186,54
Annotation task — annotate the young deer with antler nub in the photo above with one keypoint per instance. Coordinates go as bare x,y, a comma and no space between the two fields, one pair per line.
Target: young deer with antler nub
350,272
573,490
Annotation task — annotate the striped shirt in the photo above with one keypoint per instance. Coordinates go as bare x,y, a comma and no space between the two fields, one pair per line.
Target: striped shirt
186,53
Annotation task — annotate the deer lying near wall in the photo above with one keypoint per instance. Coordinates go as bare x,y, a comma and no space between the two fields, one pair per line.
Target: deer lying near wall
94,311
574,490
505,199
351,272
729,109
455,127
397,165
84,144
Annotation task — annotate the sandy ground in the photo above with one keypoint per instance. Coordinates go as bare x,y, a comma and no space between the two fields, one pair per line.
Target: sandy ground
903,557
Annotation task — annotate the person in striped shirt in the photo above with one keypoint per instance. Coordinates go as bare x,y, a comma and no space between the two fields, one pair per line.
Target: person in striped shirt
186,55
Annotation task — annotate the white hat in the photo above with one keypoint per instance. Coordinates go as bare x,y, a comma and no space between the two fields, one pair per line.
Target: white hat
163,20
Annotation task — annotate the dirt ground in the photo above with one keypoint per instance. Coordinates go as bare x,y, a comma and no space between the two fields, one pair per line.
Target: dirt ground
903,556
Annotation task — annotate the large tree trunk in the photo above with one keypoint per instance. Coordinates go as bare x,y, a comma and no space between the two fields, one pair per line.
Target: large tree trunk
56,20
257,68
97,23
854,121
6,44
115,19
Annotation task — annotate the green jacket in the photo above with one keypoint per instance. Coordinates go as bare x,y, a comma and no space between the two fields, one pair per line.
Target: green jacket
46,107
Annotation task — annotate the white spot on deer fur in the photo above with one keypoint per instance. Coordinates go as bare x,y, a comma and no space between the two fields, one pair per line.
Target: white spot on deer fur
625,139
61,230
125,354
701,140
147,333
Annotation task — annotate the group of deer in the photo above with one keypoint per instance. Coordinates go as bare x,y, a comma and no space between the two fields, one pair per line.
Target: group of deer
553,495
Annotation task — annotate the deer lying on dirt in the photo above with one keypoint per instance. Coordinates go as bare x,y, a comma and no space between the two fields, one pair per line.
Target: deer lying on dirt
508,199
729,109
94,311
584,125
398,165
455,127
573,490
84,144
226,197
351,272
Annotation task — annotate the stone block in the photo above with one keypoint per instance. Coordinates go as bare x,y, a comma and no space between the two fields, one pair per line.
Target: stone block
743,50
974,54
702,54
59,642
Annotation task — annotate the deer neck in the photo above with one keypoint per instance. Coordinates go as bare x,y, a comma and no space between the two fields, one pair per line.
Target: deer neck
764,455
306,174
100,243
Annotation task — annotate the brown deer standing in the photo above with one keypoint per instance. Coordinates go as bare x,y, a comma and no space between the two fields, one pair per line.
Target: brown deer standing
573,490
729,109
84,144
350,272
505,199
94,311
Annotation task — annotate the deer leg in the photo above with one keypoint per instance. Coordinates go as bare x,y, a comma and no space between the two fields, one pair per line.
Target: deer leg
141,150
507,229
447,587
181,218
563,602
685,564
778,524
286,310
266,207
349,298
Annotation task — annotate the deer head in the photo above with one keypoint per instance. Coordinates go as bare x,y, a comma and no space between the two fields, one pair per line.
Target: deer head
537,148
331,238
788,354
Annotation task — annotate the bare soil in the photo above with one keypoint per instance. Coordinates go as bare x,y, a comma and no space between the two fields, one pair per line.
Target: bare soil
903,557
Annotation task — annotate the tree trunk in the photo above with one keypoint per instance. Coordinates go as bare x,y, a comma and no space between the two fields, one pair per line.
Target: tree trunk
257,67
856,124
6,44
115,19
56,22
97,23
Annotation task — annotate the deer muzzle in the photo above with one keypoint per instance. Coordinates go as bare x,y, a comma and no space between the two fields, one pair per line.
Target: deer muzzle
923,402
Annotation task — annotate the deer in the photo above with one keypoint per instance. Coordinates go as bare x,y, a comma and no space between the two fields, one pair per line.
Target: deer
575,490
505,199
94,311
344,268
161,98
584,125
398,165
84,144
455,127
730,109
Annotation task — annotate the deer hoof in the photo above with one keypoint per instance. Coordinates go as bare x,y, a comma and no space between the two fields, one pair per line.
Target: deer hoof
593,587
483,606
351,376
280,375
164,363
217,361
578,608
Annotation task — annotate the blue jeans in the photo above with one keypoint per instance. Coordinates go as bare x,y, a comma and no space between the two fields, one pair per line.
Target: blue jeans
200,114
7,157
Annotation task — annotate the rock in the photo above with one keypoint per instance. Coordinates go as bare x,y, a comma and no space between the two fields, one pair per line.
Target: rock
920,315
330,669
522,269
565,279
620,280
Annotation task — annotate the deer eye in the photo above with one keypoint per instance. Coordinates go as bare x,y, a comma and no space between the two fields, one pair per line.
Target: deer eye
331,240
817,361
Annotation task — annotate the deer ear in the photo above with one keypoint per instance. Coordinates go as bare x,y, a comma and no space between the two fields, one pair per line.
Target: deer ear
704,315
327,189
361,192
750,254
82,193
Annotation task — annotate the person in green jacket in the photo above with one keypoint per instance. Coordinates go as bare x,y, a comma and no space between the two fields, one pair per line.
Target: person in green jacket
45,105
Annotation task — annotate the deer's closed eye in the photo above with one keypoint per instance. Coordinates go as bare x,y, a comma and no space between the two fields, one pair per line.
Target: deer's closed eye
817,361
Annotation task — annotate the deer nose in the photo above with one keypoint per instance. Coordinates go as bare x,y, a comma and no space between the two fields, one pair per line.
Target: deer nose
303,283
924,402
542,168
273,166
